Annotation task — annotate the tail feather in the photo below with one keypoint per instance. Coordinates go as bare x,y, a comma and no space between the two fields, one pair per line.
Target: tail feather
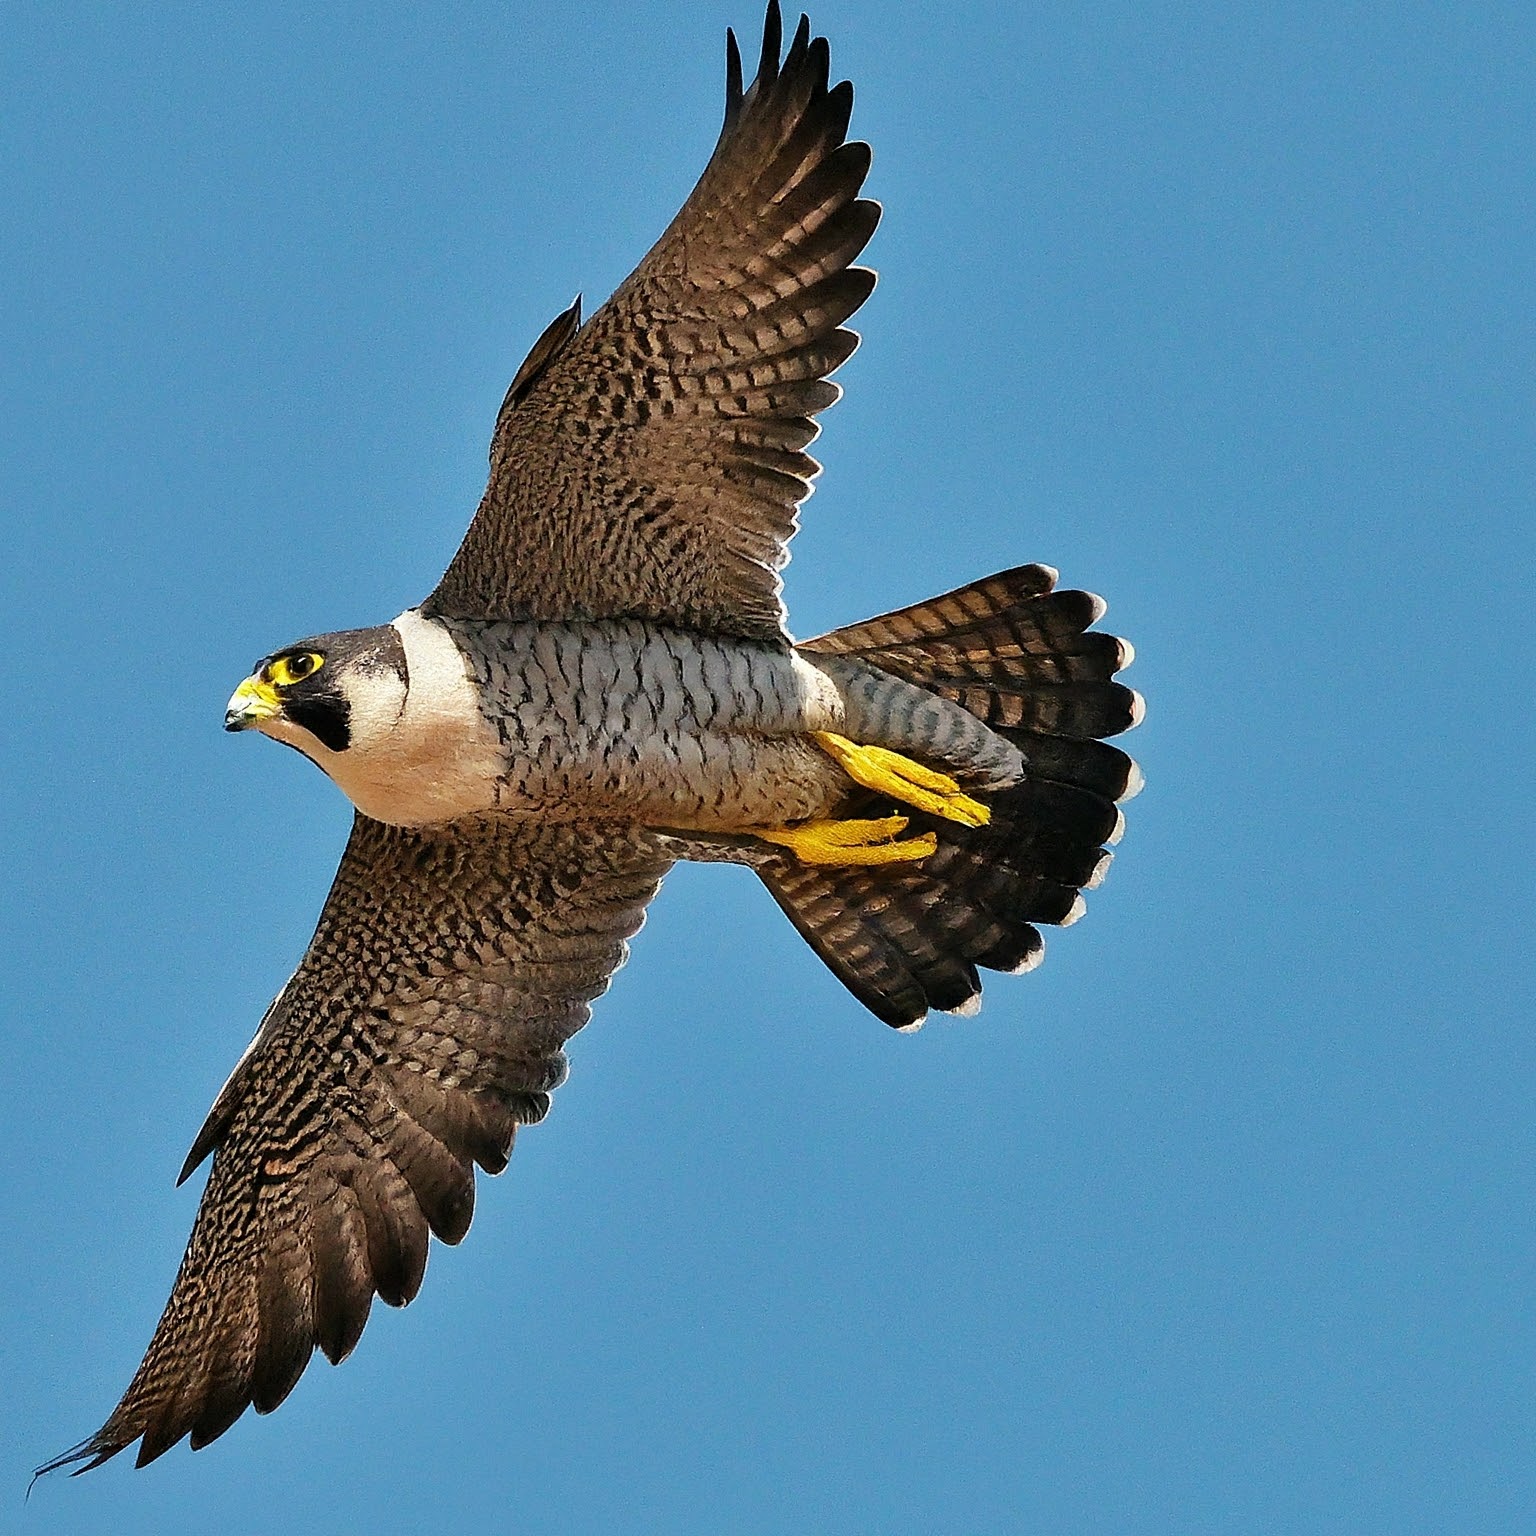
897,940
1078,657
1020,657
1009,649
1008,894
1080,711
951,613
849,942
1092,765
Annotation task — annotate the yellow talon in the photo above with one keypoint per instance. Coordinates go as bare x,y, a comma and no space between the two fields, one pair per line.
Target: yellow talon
850,842
899,777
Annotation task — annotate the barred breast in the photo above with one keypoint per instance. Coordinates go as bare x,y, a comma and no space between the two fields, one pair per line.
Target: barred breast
625,720
644,722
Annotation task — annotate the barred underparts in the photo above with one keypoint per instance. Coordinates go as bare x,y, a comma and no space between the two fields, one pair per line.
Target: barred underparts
600,685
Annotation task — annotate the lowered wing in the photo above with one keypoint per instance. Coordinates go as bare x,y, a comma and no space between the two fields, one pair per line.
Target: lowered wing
424,1025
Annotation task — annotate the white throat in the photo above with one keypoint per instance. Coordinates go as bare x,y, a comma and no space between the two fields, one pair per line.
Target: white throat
427,756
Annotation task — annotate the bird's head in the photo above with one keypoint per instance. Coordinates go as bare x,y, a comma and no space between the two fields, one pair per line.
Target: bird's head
326,695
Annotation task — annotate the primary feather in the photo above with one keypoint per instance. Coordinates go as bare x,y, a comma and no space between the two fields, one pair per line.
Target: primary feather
601,684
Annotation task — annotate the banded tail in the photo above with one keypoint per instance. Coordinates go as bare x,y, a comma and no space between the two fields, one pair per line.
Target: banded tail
1020,657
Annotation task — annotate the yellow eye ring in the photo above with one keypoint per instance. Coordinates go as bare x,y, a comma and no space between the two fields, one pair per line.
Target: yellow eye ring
285,671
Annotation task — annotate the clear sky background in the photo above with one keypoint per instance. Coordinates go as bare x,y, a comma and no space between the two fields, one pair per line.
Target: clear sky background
1222,1220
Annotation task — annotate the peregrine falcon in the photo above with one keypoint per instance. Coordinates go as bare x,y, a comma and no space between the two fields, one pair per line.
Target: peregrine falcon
601,684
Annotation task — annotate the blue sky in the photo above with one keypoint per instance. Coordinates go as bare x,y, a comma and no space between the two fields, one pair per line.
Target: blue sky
1221,1221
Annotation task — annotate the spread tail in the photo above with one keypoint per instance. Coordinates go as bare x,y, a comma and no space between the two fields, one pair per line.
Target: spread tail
1020,657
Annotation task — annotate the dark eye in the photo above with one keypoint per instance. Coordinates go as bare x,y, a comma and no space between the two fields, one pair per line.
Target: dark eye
287,670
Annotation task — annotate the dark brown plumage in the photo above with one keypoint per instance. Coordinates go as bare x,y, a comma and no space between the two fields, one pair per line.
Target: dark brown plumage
1019,655
424,1025
652,466
645,466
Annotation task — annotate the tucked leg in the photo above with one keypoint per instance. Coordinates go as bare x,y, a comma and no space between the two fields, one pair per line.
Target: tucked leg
890,773
850,842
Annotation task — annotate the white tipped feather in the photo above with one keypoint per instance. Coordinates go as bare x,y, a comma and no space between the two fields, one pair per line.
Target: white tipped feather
966,1010
1096,879
1028,963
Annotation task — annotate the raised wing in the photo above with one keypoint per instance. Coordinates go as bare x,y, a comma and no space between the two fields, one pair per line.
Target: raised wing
424,1025
650,464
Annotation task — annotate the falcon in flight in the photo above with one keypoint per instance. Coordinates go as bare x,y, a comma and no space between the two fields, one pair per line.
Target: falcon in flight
600,685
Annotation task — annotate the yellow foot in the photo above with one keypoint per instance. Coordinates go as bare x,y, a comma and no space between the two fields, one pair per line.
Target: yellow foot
850,842
902,779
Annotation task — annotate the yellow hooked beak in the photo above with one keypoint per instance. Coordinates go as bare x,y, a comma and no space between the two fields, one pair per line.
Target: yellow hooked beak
251,703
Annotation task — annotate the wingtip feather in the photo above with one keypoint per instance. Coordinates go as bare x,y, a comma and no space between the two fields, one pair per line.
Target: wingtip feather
773,45
91,1451
733,89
